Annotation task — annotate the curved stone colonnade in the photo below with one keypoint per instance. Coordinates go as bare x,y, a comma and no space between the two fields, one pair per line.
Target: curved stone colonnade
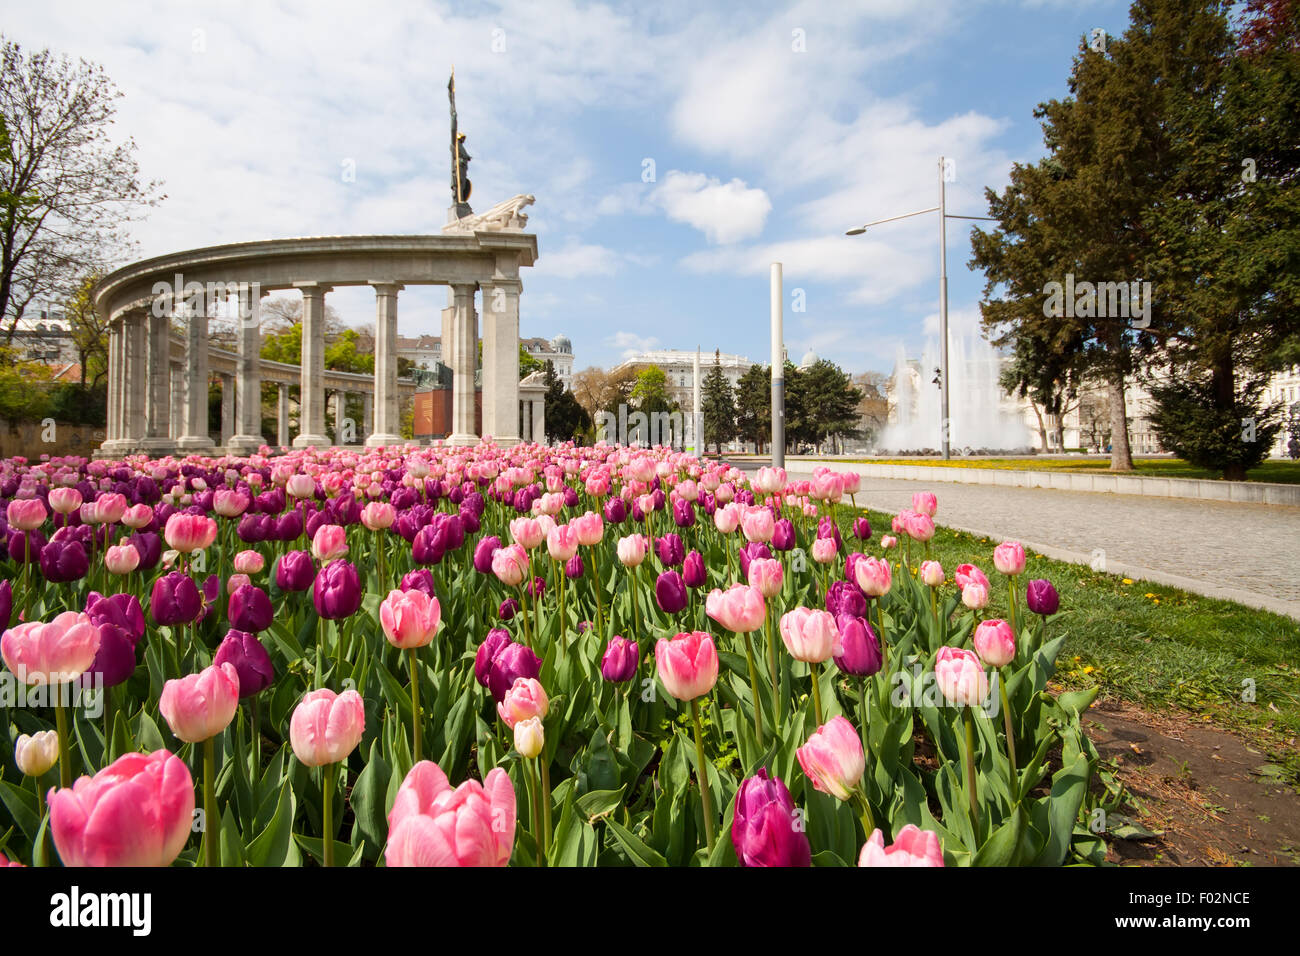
139,301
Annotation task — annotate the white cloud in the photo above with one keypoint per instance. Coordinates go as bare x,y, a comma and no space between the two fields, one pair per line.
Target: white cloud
575,260
724,212
629,343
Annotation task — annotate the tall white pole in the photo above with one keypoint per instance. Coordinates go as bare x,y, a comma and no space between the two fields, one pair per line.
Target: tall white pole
943,314
778,373
699,408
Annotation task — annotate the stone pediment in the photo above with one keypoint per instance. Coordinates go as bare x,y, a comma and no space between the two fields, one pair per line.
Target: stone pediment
507,215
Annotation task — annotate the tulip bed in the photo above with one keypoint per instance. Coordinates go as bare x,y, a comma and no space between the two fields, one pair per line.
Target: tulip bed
534,655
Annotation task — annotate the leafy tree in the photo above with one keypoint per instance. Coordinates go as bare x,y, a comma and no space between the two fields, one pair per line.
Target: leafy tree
650,391
565,418
719,406
528,364
830,402
754,406
66,192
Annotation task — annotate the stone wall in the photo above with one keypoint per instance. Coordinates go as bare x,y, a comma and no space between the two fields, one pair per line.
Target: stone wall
33,439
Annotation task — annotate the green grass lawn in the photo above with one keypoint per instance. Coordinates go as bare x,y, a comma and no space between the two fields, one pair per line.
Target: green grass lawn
1273,470
1157,646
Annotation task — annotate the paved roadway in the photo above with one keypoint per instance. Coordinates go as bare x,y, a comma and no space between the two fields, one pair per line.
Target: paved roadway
1244,552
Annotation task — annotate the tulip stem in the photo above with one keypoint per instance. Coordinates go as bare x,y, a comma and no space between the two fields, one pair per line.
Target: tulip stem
561,579
535,785
211,821
108,724
327,799
817,692
636,621
256,727
1011,607
884,645
753,687
600,604
1011,736
868,820
776,680
970,773
703,773
65,754
546,803
863,710
415,704
383,574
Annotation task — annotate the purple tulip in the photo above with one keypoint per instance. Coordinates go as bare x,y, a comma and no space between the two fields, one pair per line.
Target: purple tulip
570,497
508,609
250,660
469,520
26,546
211,593
120,610
337,590
483,553
620,660
511,662
496,639
861,529
64,561
860,655
671,550
6,604
573,568
670,592
250,609
615,511
174,599
150,548
657,498
766,827
537,587
843,597
638,514
429,545
693,570
295,571
783,537
1042,597
253,528
755,549
121,625
683,513
421,579
827,528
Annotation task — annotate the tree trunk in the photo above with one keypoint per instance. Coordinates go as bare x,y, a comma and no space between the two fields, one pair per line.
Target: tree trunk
1121,457
1042,427
1223,379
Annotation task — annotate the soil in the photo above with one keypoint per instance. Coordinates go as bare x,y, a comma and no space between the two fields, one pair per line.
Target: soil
1206,796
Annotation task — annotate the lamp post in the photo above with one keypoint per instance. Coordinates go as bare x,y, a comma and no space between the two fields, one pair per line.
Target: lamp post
944,216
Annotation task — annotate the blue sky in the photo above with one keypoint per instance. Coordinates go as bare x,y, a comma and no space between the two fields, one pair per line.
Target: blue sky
761,151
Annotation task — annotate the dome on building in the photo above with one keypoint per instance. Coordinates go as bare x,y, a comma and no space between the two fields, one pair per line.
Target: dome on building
561,343
809,359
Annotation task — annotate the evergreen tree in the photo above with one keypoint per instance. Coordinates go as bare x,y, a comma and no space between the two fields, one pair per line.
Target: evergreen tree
565,418
754,406
719,406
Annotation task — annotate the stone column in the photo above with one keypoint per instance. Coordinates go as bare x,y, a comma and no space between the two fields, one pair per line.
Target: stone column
501,360
311,400
195,436
135,381
387,422
282,415
227,409
114,386
248,399
158,400
367,416
339,401
176,427
464,360
539,420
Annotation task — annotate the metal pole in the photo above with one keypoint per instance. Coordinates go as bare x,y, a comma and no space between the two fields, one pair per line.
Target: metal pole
943,314
778,373
698,426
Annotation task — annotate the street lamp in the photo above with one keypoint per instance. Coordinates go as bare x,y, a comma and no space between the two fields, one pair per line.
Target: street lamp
944,216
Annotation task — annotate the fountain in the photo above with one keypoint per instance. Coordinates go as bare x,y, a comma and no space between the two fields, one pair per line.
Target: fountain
983,417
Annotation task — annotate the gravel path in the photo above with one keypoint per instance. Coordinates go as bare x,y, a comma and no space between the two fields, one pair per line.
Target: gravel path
1244,552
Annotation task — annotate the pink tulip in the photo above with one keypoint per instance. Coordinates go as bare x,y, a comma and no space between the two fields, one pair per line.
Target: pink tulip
770,480
739,609
873,576
121,558
960,677
924,502
301,486
236,581
523,700
329,543
188,533
589,527
35,754
931,574
823,551
26,514
64,501
433,825
887,541
975,596
326,727
230,503
687,664
562,542
249,562
968,574
201,705
378,515
409,618
510,565
137,811
758,524
919,527
727,518
1009,558
912,847
110,508
767,575
137,516
810,635
833,758
51,653
995,643
527,532
632,550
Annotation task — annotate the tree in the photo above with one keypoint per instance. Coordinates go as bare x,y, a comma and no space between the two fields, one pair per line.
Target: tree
66,192
527,363
754,406
565,418
650,391
89,333
830,402
719,407
873,407
1190,423
590,387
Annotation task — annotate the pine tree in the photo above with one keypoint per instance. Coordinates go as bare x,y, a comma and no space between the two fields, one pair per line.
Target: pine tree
754,406
719,406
